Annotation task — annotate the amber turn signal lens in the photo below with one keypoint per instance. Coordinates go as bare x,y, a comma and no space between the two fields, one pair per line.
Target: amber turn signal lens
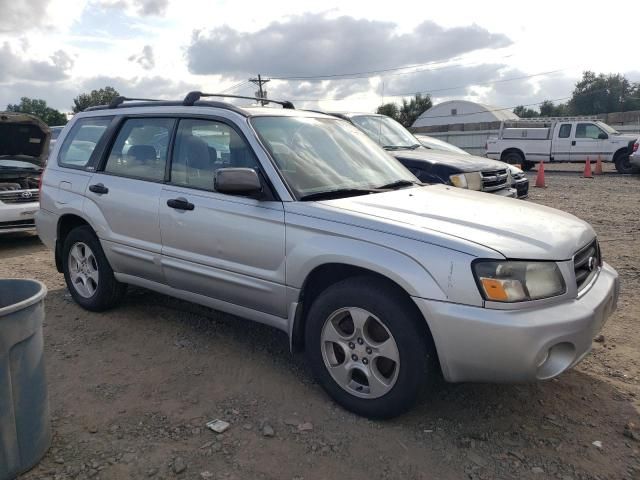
494,290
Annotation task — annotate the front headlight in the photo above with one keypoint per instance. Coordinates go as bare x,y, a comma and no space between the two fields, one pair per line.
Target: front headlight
470,181
518,281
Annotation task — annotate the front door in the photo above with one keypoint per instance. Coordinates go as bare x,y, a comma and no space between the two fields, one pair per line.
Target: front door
230,248
124,197
586,143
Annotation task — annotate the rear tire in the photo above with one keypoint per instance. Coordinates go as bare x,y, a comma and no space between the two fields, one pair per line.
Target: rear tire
87,272
369,348
623,164
516,158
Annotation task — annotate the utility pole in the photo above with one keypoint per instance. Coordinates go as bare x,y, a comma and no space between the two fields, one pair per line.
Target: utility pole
260,93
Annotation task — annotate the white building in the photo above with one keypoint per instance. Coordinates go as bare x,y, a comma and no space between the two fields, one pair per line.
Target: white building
462,111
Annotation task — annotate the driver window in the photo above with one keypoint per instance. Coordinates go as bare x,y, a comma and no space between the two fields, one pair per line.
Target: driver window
588,130
204,146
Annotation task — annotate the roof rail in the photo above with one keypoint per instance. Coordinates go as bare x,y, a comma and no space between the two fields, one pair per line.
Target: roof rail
193,97
117,101
553,119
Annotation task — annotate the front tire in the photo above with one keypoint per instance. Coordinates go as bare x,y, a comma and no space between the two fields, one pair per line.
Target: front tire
623,164
368,347
87,272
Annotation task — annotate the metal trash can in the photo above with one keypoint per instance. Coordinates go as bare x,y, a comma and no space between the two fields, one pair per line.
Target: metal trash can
25,428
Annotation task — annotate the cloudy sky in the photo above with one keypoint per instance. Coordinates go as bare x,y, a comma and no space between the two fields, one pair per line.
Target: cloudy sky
319,53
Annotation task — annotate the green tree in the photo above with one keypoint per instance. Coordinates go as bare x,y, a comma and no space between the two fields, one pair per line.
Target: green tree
39,108
408,111
94,98
389,109
412,109
595,94
524,112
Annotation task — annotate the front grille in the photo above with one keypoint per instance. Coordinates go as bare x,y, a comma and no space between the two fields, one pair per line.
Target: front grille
19,196
493,180
586,262
17,224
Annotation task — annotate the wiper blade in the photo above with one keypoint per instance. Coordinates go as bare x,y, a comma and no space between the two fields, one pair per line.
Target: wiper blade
340,192
398,184
399,147
416,145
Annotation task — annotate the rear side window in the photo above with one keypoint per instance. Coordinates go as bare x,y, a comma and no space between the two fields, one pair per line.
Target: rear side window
565,130
81,141
140,149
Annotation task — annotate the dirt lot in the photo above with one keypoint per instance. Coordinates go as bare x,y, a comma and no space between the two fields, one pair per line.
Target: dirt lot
132,389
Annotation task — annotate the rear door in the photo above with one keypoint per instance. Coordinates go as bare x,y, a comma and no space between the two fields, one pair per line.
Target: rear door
227,247
562,142
124,195
586,143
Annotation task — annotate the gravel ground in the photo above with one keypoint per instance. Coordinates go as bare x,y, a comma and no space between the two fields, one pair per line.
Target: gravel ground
132,389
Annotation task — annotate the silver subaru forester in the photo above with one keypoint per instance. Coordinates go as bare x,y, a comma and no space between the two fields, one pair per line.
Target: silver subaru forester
299,221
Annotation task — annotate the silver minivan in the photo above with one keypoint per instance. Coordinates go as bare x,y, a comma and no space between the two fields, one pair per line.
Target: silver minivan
298,220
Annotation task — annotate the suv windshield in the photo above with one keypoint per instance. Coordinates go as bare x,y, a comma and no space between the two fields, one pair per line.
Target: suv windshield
321,155
436,144
385,131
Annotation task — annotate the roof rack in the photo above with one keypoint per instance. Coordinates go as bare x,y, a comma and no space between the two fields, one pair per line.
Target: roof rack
193,97
117,101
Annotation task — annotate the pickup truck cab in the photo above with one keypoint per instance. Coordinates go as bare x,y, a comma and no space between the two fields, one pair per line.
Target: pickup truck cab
558,140
300,221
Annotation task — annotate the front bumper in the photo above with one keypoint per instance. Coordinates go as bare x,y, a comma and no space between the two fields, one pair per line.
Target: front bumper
17,217
506,192
477,344
522,187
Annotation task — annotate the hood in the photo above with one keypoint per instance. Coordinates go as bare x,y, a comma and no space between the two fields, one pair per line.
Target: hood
463,163
516,229
23,138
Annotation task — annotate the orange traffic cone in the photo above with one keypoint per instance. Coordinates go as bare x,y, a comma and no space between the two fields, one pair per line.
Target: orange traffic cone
598,170
587,169
540,176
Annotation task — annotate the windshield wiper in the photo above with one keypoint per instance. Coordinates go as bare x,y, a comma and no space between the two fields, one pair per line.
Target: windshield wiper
398,184
340,192
402,147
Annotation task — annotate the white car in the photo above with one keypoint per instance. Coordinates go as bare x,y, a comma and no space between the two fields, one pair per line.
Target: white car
634,158
24,143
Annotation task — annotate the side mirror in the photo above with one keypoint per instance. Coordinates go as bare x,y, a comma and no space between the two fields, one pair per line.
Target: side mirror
237,181
602,136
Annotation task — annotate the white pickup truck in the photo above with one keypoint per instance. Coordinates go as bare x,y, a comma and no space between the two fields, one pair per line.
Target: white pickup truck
558,140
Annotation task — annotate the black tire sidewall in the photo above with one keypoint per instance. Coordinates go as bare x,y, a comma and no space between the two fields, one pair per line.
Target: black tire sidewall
623,164
103,297
513,158
403,323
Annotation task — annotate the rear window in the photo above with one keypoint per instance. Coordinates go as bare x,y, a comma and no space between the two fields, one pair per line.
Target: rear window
81,141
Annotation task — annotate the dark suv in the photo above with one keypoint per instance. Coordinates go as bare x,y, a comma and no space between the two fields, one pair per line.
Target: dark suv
430,166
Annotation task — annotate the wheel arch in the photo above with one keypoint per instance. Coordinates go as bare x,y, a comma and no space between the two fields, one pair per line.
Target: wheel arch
66,223
509,150
327,274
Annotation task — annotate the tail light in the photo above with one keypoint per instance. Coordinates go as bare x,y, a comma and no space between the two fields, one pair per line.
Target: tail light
635,147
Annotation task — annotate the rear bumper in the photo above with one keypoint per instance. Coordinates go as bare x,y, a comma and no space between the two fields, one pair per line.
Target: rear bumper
47,227
635,159
17,217
477,344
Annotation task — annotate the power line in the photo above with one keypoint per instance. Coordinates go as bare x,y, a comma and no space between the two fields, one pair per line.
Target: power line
233,87
491,82
373,73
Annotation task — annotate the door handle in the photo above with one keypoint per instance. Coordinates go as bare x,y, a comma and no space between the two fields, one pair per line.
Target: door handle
98,188
180,204
573,143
